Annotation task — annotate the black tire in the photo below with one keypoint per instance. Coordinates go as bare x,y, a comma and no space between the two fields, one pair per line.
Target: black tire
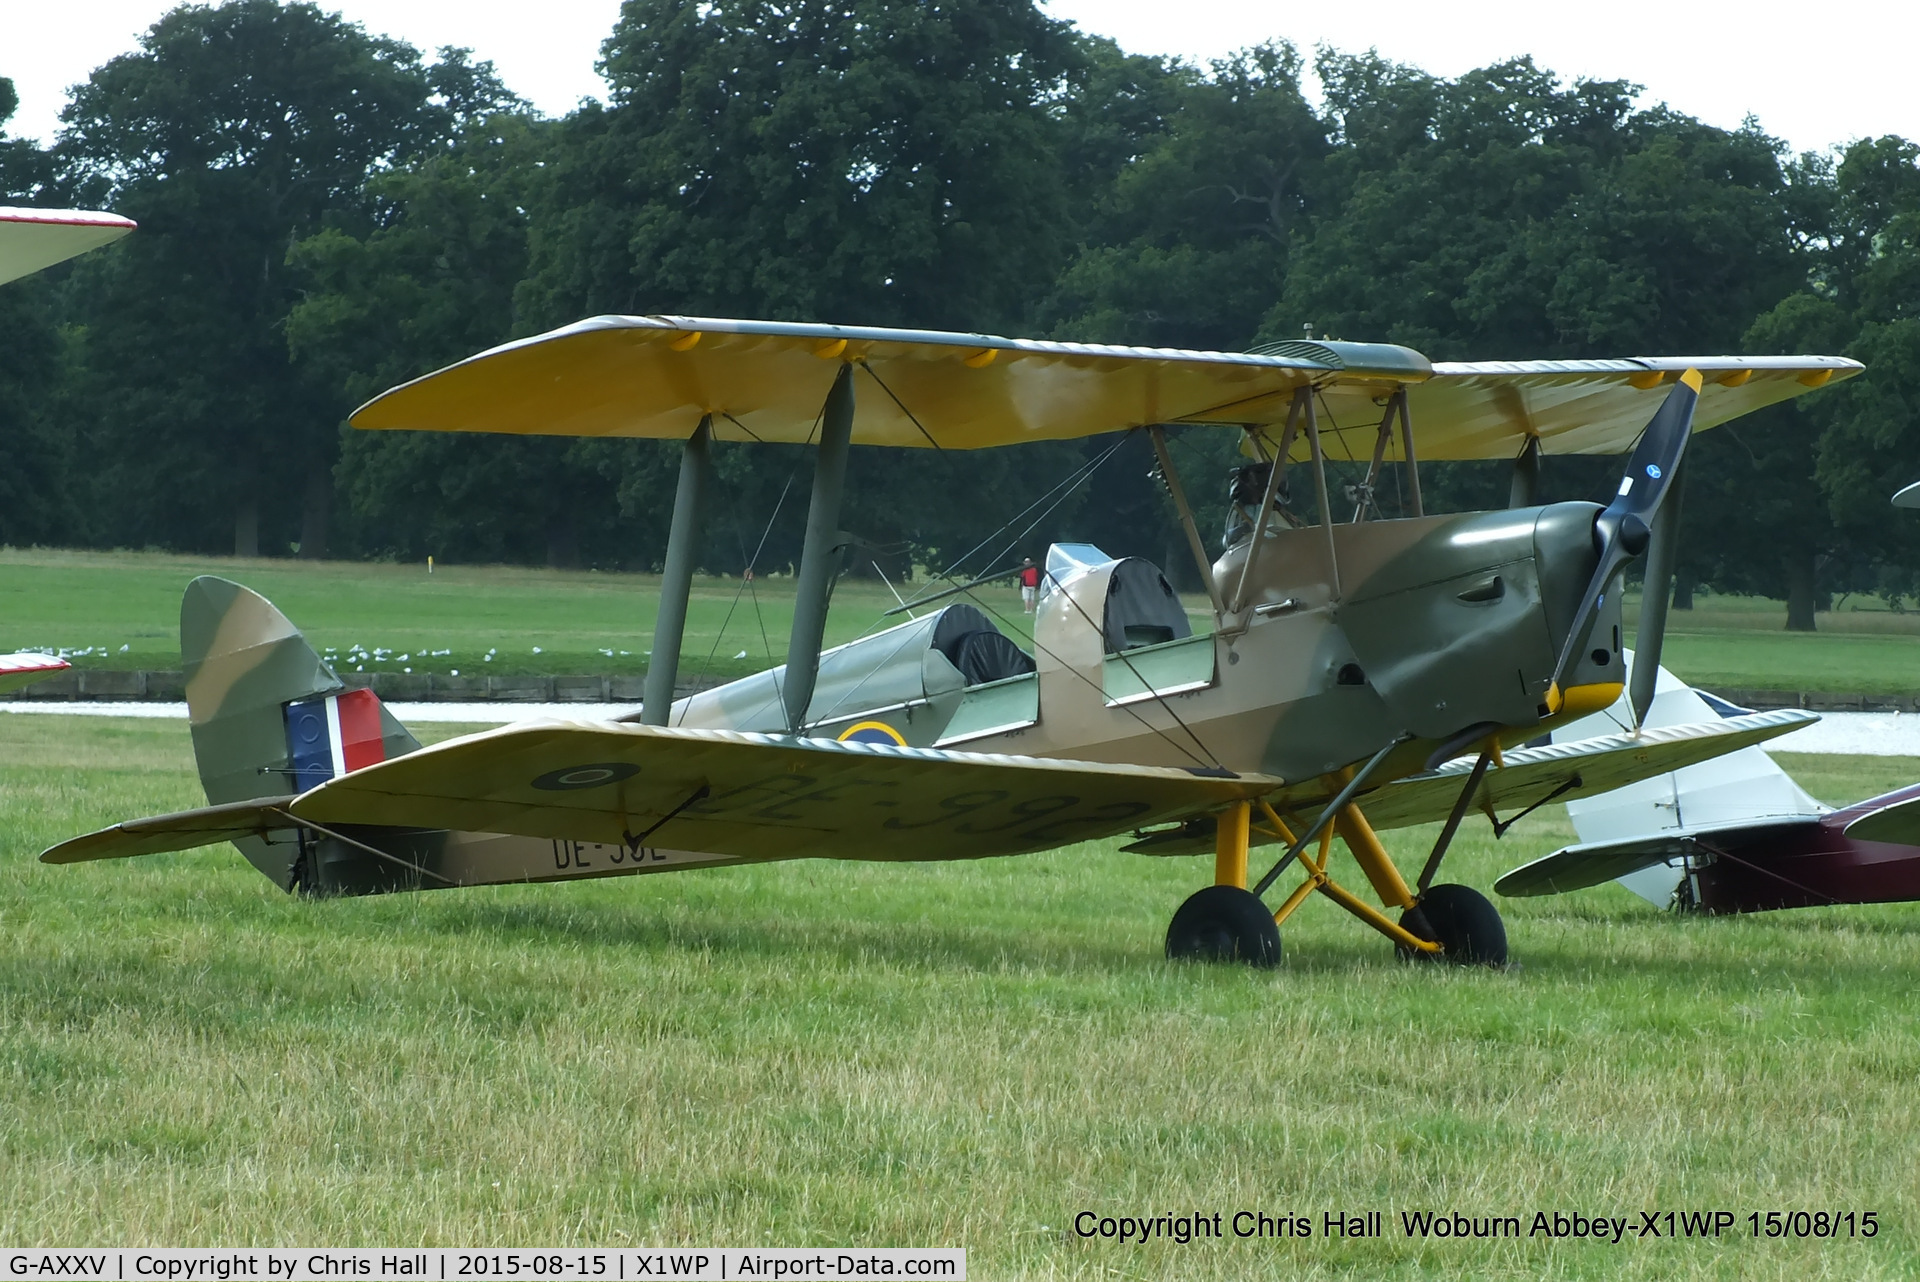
1224,923
1465,925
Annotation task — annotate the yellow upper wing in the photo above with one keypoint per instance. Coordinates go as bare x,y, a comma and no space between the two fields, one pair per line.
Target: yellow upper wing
657,376
761,796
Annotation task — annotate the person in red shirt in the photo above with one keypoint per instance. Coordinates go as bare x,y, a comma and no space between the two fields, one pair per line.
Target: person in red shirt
1029,584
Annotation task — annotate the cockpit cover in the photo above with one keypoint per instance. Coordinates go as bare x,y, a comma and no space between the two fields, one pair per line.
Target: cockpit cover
1142,607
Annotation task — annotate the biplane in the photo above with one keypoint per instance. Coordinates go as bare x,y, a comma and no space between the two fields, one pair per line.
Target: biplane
1360,673
31,240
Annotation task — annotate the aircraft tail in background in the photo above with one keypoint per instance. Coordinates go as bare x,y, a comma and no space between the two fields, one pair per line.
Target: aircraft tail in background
1643,835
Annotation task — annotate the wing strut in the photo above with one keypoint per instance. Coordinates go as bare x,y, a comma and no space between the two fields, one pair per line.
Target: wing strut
820,554
1158,435
1276,472
1413,462
676,580
1320,493
1364,497
1524,489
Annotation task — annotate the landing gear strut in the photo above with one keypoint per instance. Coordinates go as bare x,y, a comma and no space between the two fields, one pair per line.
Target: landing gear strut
1228,922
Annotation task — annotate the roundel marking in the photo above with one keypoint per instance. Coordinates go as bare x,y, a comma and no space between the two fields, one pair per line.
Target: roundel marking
591,775
873,732
1653,470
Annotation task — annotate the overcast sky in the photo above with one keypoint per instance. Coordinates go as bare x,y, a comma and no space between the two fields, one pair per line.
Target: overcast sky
1816,75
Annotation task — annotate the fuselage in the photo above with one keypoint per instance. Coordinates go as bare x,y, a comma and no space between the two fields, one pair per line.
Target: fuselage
1422,630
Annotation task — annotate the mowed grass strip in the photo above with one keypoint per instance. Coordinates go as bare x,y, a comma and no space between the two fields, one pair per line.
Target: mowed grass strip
830,1053
1740,643
533,620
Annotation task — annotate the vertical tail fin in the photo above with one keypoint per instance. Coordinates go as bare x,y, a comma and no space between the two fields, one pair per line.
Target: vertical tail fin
245,663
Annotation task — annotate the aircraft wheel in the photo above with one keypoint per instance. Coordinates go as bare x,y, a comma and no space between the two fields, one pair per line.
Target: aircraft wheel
1461,920
1224,923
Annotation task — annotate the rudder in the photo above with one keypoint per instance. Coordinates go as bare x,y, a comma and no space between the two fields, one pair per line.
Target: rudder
244,664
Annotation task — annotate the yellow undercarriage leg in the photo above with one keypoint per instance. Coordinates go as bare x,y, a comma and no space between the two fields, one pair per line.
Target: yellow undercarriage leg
1373,858
1315,878
1230,846
1359,836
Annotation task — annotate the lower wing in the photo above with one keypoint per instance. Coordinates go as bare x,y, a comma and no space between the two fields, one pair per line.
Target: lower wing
747,796
1579,867
1528,777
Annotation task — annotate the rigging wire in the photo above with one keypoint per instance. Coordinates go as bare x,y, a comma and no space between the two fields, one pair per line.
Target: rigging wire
1147,685
749,431
1346,447
1059,493
759,617
903,408
1208,760
1074,480
745,582
1070,482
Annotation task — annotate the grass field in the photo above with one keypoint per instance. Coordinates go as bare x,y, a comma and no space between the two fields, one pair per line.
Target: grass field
821,1053
533,620
590,623
1741,642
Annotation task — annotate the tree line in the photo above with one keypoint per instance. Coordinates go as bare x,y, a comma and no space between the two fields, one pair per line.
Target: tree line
325,212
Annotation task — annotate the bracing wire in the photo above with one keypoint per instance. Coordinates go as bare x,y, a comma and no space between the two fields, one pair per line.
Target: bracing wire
746,580
1074,479
1208,760
1068,483
1147,685
743,427
903,408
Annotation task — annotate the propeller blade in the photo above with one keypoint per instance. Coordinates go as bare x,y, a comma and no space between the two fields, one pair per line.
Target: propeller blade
1652,632
1622,530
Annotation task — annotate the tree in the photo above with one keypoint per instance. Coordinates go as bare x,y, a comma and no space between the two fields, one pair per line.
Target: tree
33,465
879,162
230,134
869,161
1864,301
1189,245
27,173
325,214
431,282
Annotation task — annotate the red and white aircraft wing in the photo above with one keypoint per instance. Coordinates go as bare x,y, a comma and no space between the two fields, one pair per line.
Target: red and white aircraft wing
31,239
18,670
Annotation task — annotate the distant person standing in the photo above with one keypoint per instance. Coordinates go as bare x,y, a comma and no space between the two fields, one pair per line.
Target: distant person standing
1029,585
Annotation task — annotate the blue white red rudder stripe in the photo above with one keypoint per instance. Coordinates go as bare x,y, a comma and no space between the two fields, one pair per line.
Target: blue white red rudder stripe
331,736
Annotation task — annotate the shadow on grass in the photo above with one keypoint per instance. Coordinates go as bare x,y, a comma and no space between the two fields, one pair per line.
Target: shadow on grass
247,962
933,941
937,944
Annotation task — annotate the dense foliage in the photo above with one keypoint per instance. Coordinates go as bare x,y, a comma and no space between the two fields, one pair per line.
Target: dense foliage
325,212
